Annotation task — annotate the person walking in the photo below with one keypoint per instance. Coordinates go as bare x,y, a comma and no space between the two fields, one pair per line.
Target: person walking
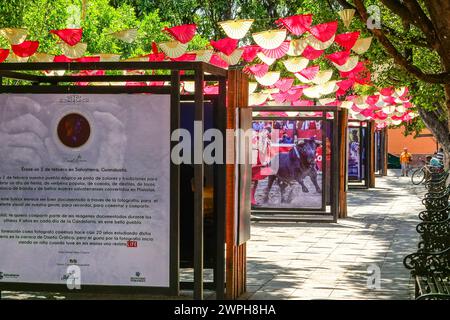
405,161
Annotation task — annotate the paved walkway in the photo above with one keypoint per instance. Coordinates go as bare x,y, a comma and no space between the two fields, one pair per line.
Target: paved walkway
331,261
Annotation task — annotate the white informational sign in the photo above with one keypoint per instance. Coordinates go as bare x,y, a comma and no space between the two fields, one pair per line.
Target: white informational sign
84,189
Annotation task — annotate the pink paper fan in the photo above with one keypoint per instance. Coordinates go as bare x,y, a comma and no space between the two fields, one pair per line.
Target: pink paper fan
250,52
258,70
340,57
218,61
303,103
183,33
294,94
284,84
324,31
347,40
311,54
310,72
368,113
297,25
279,97
25,49
225,45
4,53
277,53
69,36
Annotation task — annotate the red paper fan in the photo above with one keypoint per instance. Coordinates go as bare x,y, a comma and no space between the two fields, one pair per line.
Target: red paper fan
345,84
250,52
368,113
389,100
310,72
25,49
359,74
185,57
156,56
339,58
372,100
303,103
4,53
277,53
311,54
88,59
258,70
387,91
279,97
183,33
225,45
297,25
61,58
324,31
69,36
218,61
284,84
347,40
294,94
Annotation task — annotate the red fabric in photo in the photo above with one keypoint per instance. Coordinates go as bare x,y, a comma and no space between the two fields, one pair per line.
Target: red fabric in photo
25,49
297,25
4,53
69,36
183,33
311,54
347,40
324,31
250,52
225,45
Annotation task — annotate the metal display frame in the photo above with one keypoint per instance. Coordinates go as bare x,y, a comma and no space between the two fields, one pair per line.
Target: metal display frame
365,155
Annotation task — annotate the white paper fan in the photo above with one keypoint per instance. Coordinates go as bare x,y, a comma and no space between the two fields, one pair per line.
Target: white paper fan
389,109
346,104
295,64
270,39
173,49
323,76
269,79
42,57
317,44
328,87
257,98
313,92
296,47
15,58
127,35
73,52
233,58
351,64
52,73
14,35
325,101
108,57
265,59
400,108
252,87
236,29
302,78
203,55
362,45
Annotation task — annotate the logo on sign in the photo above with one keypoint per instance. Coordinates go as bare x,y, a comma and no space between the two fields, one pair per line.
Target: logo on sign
132,244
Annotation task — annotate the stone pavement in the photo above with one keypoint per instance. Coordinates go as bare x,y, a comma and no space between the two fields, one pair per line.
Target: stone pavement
331,261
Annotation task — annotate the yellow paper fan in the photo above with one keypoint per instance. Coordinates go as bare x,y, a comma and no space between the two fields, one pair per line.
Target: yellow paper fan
14,35
317,44
267,60
42,57
313,92
347,16
73,52
302,78
257,98
203,55
189,86
323,76
233,58
107,57
236,29
295,64
296,47
269,79
252,87
173,49
349,65
362,45
15,58
127,35
328,87
270,39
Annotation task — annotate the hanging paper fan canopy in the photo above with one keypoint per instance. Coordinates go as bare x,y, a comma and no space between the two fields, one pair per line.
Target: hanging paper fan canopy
256,99
311,54
173,49
25,49
295,64
69,36
266,59
236,29
183,33
108,57
319,45
347,40
322,76
284,84
324,31
362,45
346,16
203,55
296,25
270,39
296,47
258,70
225,45
126,35
269,79
252,87
339,58
14,35
349,65
277,53
233,58
4,53
73,52
42,57
218,62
